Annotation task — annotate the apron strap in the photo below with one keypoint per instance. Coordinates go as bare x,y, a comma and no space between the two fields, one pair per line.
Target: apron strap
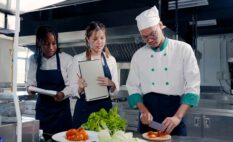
107,72
58,62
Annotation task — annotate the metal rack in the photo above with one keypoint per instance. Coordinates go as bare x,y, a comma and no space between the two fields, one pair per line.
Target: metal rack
12,95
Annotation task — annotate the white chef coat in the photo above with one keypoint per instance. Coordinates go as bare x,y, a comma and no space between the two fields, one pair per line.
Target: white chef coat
111,61
172,71
50,64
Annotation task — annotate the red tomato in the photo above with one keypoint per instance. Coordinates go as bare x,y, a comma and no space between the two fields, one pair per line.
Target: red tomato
77,134
71,132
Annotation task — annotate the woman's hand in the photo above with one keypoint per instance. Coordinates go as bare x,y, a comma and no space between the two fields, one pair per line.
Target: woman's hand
170,123
104,81
81,85
30,92
59,97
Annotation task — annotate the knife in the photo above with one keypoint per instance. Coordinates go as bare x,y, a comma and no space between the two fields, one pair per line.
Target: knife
157,126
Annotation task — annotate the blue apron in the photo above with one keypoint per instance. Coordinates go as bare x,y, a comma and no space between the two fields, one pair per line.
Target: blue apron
83,108
54,116
162,106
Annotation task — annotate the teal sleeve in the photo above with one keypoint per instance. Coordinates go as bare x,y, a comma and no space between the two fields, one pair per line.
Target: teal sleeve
190,99
134,99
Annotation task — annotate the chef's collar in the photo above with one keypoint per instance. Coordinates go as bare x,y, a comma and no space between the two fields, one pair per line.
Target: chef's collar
161,47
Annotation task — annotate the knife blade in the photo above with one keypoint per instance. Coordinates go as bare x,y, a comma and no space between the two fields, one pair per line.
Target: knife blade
157,126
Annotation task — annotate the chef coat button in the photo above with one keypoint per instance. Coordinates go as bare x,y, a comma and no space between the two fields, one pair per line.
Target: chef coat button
165,54
165,69
151,56
153,83
167,83
152,69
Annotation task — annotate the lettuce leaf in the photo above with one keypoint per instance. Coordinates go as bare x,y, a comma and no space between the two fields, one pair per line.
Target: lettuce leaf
103,120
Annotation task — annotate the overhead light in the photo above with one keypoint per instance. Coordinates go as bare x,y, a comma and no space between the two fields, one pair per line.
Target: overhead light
30,5
68,3
202,23
186,4
2,20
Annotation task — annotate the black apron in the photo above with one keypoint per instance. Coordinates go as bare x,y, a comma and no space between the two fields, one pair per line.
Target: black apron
54,116
83,108
162,106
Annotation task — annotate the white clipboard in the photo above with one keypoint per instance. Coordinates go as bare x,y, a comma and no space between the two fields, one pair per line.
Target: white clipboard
90,70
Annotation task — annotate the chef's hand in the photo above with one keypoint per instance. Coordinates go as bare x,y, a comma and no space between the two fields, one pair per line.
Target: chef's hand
59,97
170,123
146,118
30,92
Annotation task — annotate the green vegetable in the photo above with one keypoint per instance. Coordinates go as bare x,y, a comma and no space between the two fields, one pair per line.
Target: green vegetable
105,120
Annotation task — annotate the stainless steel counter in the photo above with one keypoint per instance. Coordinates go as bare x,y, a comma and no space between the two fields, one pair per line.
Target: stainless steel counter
193,139
213,118
30,130
185,139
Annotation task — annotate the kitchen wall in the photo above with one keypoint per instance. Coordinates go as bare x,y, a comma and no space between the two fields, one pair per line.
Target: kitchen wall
215,51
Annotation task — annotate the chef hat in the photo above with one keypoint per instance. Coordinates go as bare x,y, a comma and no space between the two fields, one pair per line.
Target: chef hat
148,18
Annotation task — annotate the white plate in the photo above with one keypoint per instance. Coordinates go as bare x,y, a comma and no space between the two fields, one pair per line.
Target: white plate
93,137
61,137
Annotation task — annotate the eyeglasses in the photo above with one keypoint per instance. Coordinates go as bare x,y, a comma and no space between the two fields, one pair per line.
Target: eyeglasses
152,35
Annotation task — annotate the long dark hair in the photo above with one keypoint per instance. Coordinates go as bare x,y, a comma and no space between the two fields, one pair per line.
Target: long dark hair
41,37
93,27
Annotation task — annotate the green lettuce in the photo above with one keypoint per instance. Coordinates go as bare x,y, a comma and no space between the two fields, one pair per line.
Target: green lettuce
103,120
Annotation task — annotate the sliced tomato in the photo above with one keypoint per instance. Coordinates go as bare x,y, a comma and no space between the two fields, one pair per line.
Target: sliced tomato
160,134
77,134
71,132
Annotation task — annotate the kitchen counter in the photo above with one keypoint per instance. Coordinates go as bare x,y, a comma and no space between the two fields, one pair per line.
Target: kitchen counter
217,106
185,139
30,130
193,139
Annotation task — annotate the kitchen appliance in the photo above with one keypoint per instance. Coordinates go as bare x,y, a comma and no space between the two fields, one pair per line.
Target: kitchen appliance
30,130
230,63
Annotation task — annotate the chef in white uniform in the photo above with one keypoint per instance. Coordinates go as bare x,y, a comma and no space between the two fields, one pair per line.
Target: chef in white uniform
164,78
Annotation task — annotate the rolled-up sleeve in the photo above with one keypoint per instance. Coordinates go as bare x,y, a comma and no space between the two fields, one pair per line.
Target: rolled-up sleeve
114,74
133,85
192,79
31,72
75,72
67,75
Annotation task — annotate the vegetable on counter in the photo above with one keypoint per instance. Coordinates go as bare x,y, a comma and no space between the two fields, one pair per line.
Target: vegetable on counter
102,120
77,134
